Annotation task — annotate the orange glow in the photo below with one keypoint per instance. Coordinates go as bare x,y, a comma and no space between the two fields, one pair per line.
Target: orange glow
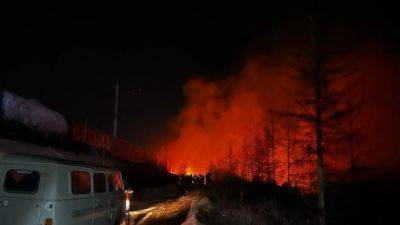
226,125
189,171
222,115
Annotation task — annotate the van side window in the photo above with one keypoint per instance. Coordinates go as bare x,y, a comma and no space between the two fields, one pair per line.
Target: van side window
118,183
99,180
80,182
22,181
111,184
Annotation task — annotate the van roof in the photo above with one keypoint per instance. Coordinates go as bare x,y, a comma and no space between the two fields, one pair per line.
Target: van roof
26,158
34,153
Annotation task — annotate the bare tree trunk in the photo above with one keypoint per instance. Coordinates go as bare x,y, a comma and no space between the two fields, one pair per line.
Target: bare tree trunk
268,166
320,161
309,171
260,165
273,148
351,146
318,144
273,164
318,79
251,152
351,153
351,138
288,151
244,163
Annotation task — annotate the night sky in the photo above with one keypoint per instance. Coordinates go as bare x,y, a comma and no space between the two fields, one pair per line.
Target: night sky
71,64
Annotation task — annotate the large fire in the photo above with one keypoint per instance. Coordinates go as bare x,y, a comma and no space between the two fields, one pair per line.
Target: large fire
231,124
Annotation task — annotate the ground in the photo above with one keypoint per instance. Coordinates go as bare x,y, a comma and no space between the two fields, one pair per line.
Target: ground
148,210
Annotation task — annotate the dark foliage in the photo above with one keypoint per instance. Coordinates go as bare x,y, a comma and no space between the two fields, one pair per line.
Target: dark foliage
240,202
364,202
358,202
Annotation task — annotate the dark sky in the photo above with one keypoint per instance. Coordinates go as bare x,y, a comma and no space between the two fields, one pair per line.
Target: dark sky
72,63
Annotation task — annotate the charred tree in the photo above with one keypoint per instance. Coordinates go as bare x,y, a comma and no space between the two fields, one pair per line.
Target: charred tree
231,162
251,151
320,68
271,138
244,153
352,130
259,158
289,145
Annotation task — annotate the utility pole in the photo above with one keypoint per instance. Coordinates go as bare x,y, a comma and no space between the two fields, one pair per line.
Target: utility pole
115,120
115,114
289,125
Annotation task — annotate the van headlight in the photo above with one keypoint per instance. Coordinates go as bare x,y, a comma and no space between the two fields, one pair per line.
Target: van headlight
127,204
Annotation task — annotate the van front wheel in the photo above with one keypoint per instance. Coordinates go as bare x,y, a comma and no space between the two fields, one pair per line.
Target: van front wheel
127,220
123,218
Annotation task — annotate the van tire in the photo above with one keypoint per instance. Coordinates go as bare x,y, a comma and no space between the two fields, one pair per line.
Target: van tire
118,221
120,218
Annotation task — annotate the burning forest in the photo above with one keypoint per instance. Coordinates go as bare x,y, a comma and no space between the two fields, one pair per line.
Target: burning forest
253,124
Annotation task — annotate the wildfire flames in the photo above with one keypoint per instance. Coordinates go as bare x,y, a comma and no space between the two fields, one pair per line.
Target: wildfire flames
230,125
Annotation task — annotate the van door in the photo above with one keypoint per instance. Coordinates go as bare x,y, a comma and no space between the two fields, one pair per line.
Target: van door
19,203
119,194
112,199
81,202
100,212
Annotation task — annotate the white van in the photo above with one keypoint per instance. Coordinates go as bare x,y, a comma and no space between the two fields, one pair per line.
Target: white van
44,191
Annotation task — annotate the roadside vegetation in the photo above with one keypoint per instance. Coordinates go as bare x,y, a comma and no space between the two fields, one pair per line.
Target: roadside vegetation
238,202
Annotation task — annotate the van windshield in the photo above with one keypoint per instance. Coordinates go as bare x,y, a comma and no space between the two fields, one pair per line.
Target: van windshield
21,181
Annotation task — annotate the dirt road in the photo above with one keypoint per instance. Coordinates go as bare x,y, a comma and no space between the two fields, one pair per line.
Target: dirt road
167,213
161,206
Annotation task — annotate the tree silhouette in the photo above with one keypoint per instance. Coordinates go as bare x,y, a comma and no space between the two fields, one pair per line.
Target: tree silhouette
321,99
